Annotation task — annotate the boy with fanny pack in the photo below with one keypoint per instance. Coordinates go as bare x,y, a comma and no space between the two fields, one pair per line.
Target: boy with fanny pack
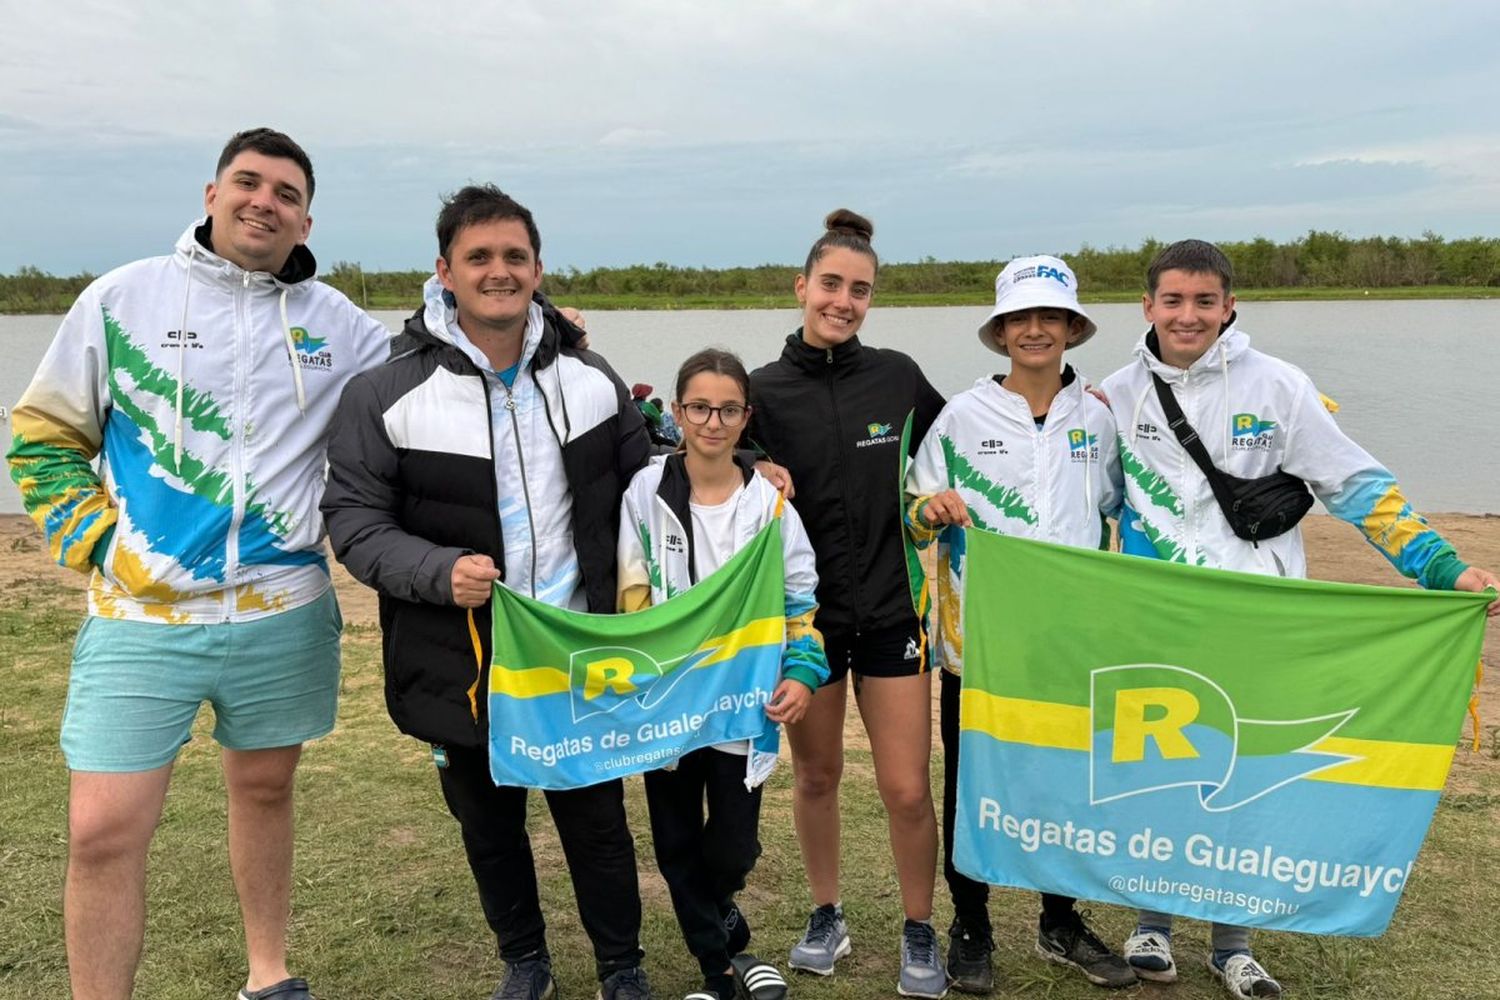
1259,422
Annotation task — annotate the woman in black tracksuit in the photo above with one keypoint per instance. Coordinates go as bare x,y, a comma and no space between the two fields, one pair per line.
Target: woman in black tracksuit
832,411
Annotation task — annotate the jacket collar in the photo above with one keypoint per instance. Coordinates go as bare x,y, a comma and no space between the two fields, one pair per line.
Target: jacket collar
433,322
195,246
1230,346
675,490
1068,398
800,354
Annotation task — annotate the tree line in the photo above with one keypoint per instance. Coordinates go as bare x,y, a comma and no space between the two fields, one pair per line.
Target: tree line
1317,260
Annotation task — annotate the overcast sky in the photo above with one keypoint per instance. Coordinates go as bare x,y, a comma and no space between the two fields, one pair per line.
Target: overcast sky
719,133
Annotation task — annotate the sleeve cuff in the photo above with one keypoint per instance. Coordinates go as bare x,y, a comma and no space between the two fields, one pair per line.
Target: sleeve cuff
1443,570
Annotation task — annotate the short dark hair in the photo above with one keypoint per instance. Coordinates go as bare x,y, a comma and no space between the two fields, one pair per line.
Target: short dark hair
476,203
716,362
847,230
267,142
1194,257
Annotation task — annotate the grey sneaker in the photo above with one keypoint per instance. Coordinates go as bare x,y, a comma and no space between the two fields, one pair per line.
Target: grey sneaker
1074,945
922,972
824,943
528,979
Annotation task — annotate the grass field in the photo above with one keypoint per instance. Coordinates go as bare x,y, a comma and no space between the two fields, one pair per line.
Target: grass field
384,907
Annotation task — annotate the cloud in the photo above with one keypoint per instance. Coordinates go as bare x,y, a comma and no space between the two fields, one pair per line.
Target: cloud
633,137
713,134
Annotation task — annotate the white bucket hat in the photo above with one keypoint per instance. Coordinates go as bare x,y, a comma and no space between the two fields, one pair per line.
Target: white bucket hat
1031,283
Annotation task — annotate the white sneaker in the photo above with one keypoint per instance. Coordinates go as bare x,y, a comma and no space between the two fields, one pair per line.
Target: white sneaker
1244,977
1149,952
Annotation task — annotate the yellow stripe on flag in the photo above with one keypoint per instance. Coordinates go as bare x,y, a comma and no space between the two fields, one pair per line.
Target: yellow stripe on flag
537,682
1018,720
761,632
1381,763
1387,764
529,682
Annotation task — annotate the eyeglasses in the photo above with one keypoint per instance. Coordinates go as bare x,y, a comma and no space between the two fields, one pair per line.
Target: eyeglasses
730,414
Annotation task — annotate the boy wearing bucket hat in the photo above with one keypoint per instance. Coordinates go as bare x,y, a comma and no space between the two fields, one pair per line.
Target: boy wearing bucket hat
1030,454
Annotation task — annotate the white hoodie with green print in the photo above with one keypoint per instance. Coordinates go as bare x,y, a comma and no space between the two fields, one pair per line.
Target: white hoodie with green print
204,391
1054,483
1254,414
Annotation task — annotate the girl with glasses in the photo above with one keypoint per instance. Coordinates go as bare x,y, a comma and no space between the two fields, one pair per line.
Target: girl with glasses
682,517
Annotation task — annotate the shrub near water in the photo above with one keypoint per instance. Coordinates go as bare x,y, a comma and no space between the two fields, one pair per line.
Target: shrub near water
1320,260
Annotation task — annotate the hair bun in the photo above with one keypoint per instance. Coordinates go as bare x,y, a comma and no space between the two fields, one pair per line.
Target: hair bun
841,220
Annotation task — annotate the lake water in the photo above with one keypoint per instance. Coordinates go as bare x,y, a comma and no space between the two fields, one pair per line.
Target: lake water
1417,381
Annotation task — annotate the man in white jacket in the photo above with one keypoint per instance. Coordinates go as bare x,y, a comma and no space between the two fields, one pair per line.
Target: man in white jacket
204,382
1254,414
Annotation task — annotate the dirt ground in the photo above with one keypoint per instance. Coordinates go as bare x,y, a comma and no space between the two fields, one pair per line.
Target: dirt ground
1334,552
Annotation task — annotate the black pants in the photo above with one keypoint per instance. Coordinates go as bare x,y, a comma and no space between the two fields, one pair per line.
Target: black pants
971,898
595,840
705,862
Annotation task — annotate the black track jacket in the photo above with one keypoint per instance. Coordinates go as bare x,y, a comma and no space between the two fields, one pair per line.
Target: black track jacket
400,514
834,419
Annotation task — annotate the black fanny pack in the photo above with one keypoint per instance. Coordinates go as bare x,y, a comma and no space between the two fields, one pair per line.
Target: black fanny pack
1258,508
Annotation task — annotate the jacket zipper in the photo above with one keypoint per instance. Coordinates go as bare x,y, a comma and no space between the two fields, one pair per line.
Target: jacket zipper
838,429
1039,463
515,426
237,455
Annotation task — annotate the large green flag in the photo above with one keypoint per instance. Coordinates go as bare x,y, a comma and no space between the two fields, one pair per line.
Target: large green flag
576,699
1247,749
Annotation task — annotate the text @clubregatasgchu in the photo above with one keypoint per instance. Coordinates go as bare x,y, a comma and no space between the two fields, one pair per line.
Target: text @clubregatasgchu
1200,851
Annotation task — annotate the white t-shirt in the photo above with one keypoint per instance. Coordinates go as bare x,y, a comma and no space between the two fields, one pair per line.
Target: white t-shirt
713,544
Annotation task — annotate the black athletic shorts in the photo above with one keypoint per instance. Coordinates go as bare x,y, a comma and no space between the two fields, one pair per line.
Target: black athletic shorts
884,652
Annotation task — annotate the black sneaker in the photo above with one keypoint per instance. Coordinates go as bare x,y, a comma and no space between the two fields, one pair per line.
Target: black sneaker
626,984
1074,945
528,979
287,989
969,959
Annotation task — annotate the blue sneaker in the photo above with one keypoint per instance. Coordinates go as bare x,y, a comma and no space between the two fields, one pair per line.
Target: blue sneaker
922,972
825,941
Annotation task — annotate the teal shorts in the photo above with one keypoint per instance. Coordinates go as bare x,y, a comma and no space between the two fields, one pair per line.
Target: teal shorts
136,687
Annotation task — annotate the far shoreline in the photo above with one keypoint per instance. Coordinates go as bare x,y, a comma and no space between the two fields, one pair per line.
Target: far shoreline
58,305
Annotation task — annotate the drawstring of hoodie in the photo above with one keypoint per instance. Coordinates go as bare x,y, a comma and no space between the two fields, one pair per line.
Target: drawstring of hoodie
1135,417
291,355
182,346
182,339
1224,369
1088,486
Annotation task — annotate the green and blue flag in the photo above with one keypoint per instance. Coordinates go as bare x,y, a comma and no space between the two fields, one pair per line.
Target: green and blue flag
576,698
1246,749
